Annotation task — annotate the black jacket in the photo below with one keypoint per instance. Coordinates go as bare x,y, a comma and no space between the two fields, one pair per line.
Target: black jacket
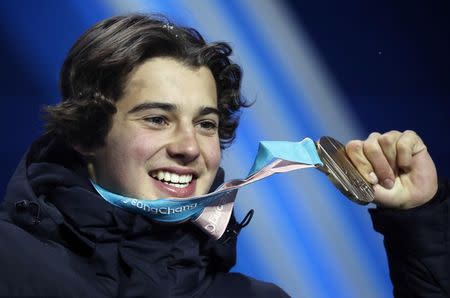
59,238
417,246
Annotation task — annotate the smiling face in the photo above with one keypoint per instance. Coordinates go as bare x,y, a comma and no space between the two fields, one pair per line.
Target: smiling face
164,139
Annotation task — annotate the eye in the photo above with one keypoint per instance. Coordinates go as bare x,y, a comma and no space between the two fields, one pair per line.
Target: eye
208,125
156,121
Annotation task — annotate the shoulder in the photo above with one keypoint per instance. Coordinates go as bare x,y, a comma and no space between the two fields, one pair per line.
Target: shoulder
237,284
16,241
21,254
45,267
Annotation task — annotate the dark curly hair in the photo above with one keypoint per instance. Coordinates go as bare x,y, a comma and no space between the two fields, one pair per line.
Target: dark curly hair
96,69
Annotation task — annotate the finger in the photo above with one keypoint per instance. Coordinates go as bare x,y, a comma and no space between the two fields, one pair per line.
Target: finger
355,152
408,145
376,157
388,144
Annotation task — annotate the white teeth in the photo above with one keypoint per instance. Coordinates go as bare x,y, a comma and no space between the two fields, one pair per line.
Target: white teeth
178,185
174,179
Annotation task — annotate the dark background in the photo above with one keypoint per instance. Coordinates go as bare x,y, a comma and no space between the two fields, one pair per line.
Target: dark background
391,60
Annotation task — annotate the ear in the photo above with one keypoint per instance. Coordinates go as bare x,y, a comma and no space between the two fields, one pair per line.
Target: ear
89,156
87,153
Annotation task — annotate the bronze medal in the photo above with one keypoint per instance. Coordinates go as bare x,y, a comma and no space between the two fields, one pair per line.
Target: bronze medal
342,172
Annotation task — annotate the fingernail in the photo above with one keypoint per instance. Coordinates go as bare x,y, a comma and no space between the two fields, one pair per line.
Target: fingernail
388,183
373,179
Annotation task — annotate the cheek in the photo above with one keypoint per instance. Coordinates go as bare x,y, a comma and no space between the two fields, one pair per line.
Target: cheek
141,148
130,150
213,155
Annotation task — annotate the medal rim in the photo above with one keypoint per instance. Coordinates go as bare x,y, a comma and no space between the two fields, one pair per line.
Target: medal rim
349,190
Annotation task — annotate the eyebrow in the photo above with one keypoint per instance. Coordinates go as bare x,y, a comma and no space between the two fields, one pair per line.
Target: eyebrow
169,108
208,110
152,105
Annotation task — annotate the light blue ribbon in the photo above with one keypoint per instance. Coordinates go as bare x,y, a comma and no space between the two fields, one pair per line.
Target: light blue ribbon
182,209
299,152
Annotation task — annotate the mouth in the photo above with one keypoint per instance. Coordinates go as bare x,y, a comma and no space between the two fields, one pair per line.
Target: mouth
174,184
171,178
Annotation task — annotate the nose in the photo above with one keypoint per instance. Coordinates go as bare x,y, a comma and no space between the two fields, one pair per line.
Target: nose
184,147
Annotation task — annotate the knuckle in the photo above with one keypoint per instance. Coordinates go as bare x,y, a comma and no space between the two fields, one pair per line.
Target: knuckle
402,146
374,135
387,139
409,131
354,146
394,132
370,148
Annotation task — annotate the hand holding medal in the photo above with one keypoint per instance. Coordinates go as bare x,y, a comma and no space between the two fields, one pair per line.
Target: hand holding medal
398,166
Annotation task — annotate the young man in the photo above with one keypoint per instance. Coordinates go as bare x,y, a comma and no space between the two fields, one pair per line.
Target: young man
147,108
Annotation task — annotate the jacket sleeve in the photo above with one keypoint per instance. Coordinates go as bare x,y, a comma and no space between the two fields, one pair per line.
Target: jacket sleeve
417,246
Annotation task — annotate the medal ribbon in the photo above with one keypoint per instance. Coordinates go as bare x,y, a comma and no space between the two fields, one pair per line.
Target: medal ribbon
211,212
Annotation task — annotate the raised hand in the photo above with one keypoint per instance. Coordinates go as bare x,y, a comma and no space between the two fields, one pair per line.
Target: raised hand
399,167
